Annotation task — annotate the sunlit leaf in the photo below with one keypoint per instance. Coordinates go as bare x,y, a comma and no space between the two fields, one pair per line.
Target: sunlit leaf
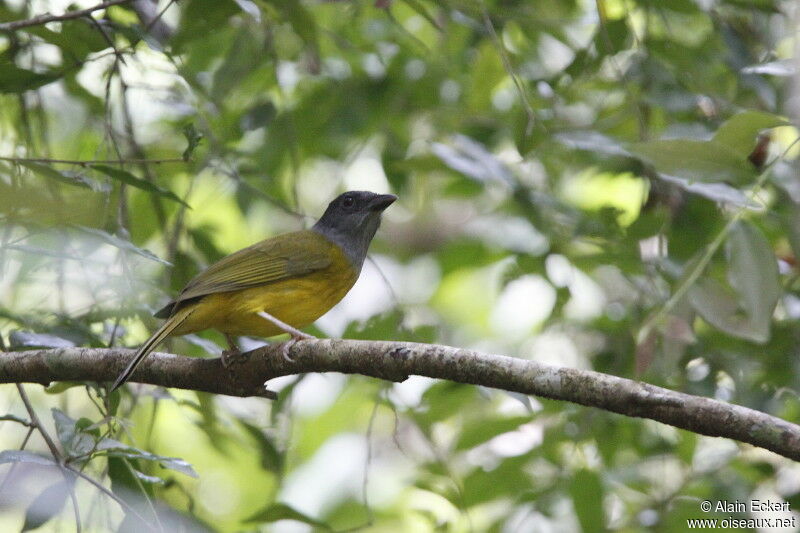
718,192
478,431
592,141
153,480
739,132
281,511
472,159
781,68
707,161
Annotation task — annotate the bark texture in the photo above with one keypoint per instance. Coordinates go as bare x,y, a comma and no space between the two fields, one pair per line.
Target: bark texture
395,361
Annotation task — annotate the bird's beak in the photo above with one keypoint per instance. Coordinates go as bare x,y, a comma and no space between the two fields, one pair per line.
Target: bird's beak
381,202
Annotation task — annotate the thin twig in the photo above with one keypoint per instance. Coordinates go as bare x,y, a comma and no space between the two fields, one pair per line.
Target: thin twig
75,509
86,162
109,41
47,17
523,96
158,16
368,464
51,444
57,455
138,151
440,458
125,505
18,420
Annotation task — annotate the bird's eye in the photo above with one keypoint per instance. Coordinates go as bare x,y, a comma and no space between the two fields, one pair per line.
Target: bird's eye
348,201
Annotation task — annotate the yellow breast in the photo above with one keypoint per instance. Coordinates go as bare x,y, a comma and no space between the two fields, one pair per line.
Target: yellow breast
298,301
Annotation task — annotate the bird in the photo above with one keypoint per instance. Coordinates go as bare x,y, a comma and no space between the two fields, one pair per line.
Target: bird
277,285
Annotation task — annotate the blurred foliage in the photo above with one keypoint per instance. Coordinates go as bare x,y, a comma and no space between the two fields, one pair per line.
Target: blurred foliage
608,185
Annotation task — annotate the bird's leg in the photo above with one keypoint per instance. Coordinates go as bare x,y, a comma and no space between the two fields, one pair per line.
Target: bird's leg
294,332
231,353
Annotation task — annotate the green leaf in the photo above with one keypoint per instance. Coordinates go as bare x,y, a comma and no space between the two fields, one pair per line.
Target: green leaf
46,505
507,480
124,482
302,21
126,177
193,138
753,273
74,441
388,325
114,448
720,308
739,132
24,456
480,430
587,497
77,38
60,386
592,141
417,6
696,160
718,192
272,458
281,511
201,18
152,480
443,400
70,178
18,80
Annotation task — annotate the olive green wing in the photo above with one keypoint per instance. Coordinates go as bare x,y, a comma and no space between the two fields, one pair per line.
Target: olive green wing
285,256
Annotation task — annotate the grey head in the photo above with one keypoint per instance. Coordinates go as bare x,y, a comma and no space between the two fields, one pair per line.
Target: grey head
351,220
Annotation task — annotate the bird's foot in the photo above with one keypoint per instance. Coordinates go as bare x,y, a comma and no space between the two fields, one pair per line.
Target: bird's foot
229,357
232,353
296,334
287,345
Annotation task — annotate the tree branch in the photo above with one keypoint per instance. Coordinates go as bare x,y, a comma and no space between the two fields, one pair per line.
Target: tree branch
47,17
395,361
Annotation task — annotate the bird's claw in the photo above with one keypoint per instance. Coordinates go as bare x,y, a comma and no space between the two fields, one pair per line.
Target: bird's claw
287,346
229,356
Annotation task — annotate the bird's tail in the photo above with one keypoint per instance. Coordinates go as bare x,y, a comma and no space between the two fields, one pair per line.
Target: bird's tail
162,333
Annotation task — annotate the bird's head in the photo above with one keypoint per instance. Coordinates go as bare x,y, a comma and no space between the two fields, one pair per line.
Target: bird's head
351,221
